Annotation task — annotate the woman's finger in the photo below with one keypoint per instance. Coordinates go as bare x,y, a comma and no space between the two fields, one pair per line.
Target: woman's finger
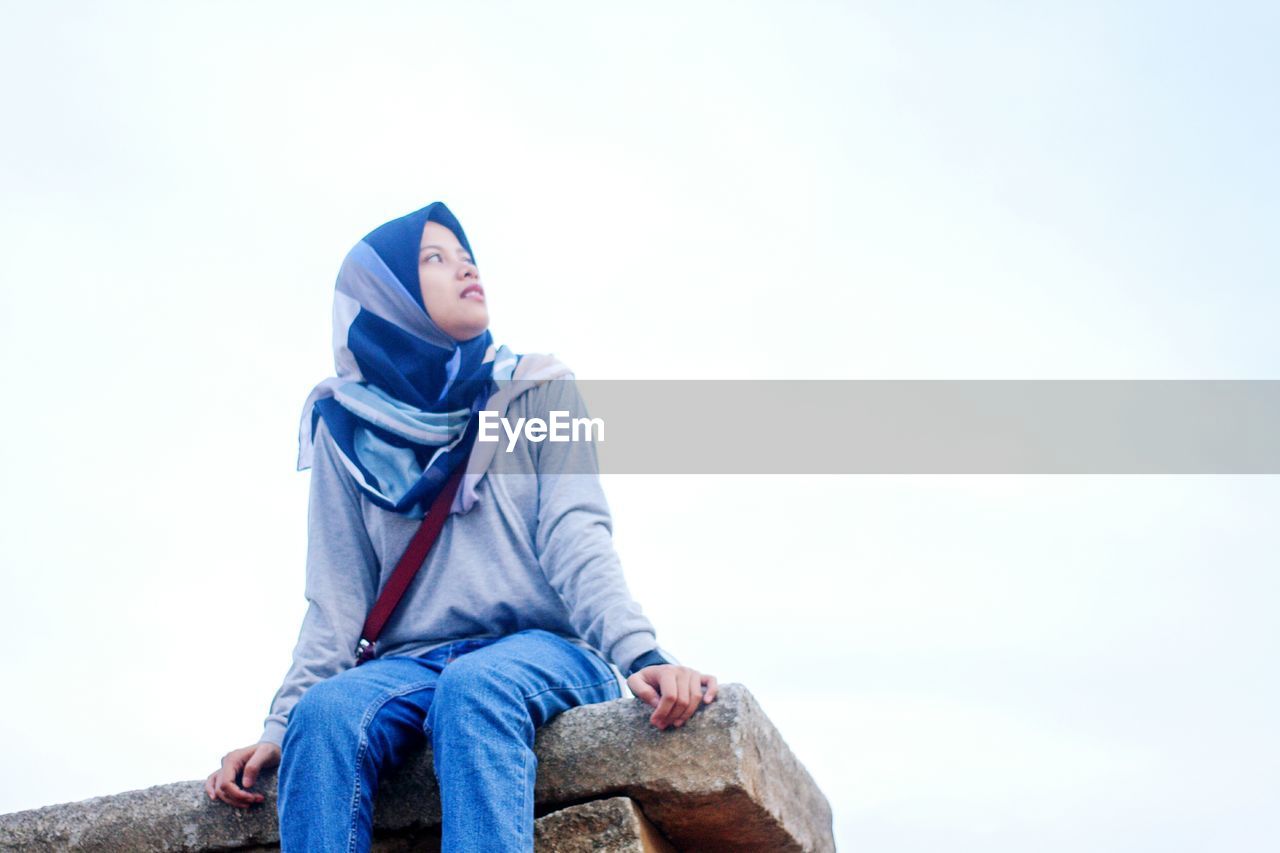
710,682
230,791
695,689
231,794
695,693
677,709
643,690
685,704
661,717
251,769
217,785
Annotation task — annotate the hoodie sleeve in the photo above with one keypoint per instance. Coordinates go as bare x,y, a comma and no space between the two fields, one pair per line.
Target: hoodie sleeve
341,582
575,541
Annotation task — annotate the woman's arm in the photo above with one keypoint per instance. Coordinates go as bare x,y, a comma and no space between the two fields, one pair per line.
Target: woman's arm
575,541
342,575
575,549
341,583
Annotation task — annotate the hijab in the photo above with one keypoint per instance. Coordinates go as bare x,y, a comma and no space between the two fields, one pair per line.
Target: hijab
404,406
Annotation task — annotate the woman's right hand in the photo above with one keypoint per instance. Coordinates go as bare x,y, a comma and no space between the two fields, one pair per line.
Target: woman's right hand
221,784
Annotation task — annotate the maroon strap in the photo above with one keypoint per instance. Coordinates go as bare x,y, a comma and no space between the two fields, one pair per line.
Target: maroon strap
408,566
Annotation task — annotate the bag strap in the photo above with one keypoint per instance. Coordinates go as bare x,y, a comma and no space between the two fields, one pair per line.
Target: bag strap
413,558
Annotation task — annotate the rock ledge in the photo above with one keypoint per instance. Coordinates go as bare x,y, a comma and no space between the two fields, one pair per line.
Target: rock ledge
607,780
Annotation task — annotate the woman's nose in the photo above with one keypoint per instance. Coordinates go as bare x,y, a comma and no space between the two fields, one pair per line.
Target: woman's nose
468,270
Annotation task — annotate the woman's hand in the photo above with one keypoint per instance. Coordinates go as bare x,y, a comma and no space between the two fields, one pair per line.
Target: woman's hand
673,691
221,784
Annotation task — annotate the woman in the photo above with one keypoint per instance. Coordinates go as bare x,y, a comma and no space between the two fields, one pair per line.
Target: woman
520,606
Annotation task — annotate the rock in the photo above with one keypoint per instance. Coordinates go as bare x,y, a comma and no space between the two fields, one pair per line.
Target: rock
725,781
613,825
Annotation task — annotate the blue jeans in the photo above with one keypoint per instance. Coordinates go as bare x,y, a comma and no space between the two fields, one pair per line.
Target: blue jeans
479,701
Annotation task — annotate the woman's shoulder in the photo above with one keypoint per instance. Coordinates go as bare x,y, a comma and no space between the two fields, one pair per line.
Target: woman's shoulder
550,383
322,438
328,460
544,380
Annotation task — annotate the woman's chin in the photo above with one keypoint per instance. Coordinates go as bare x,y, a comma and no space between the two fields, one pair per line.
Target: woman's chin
468,333
466,324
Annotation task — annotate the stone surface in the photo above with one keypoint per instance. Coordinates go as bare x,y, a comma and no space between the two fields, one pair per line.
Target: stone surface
613,825
725,781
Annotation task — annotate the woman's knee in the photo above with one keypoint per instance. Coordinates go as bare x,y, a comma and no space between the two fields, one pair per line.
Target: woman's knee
325,705
472,692
472,678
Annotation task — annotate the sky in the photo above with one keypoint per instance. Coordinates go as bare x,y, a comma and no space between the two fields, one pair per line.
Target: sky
714,190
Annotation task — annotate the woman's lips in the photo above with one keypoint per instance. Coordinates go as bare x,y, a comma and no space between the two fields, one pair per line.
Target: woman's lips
472,291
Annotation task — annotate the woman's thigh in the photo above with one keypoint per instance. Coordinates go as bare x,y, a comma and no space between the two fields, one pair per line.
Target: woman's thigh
542,670
380,705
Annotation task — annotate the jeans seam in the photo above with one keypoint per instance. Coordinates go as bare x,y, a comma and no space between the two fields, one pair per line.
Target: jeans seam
524,776
600,664
361,749
569,687
355,793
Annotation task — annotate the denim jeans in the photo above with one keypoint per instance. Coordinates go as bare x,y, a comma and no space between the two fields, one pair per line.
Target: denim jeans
479,702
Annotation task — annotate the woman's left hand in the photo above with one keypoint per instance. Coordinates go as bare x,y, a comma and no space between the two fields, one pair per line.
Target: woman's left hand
673,691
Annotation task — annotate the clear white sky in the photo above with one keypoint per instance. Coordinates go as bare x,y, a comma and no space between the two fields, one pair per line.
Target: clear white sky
808,190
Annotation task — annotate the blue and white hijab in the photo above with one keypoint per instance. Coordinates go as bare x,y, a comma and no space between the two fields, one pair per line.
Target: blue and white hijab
403,407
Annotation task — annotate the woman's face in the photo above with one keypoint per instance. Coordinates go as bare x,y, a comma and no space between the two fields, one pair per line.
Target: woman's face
450,284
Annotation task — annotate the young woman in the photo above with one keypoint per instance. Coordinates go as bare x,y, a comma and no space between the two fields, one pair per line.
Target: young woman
520,609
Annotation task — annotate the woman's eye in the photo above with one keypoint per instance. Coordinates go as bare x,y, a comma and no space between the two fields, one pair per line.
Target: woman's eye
439,257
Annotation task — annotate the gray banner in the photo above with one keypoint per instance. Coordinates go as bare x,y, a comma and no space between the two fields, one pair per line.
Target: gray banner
934,426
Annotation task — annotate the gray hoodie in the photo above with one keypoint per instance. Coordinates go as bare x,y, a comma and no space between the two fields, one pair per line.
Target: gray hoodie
536,551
